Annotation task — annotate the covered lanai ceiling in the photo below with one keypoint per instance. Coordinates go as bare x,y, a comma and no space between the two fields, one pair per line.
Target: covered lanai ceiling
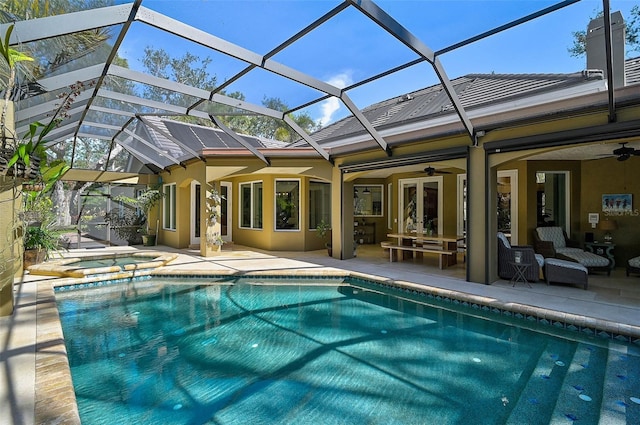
101,129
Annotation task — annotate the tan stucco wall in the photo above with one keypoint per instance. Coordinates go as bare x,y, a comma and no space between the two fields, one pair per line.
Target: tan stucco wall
609,176
10,255
182,177
242,170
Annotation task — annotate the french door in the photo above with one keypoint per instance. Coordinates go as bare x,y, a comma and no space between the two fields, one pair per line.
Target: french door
420,205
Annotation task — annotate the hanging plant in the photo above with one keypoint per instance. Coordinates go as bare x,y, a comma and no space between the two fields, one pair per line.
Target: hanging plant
12,58
214,238
214,200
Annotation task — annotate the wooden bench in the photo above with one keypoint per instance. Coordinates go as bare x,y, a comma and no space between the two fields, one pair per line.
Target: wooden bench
446,257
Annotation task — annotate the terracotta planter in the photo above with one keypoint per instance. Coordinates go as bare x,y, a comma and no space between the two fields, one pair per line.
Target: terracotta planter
33,187
32,256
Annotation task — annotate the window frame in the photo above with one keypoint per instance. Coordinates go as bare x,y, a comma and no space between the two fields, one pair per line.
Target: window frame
252,186
275,205
169,203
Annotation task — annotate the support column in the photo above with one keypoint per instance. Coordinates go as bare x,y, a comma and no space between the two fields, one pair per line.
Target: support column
10,251
341,216
211,228
479,246
8,248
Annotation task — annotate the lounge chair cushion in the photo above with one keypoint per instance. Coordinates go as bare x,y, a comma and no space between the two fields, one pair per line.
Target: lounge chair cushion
505,240
552,234
634,262
539,257
562,271
587,259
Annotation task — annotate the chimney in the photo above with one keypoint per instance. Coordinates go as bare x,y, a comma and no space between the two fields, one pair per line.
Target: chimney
596,52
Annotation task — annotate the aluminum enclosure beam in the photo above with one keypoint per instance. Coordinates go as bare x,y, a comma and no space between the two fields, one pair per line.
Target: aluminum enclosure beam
393,27
170,137
153,147
69,23
207,40
239,139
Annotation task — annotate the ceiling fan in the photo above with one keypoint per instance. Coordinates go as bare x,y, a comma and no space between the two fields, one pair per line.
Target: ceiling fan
431,171
623,152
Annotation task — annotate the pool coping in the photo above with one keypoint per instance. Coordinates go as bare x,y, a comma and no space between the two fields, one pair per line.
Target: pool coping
55,395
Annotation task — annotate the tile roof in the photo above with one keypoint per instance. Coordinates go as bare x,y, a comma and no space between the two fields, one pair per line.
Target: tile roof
473,90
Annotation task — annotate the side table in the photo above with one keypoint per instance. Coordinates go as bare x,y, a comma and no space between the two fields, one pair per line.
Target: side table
520,269
604,250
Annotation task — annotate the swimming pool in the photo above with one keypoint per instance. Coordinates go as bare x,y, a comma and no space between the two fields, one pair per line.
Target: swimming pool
328,352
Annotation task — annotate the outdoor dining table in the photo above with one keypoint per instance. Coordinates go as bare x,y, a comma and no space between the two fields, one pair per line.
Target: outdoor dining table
427,243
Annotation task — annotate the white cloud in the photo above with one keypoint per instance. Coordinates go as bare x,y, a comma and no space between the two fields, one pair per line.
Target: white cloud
332,105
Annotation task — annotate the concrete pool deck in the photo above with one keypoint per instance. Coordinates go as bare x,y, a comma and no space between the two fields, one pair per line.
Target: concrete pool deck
35,385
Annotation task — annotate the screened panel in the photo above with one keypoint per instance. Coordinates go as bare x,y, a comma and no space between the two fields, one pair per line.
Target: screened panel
91,153
149,92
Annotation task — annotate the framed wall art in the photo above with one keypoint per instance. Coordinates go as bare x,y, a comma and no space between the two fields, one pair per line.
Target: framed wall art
617,202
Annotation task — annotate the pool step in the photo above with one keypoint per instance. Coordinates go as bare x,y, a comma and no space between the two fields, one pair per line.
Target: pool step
574,387
621,386
578,398
536,401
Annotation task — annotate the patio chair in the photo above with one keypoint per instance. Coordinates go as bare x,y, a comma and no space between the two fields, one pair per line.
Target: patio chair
633,265
506,256
552,242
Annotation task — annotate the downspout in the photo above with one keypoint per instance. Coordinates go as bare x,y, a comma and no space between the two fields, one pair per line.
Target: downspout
609,58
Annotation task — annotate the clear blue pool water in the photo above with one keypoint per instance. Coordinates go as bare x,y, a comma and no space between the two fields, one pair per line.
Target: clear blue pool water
166,352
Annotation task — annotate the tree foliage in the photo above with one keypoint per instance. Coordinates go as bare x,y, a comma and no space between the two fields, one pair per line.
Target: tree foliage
632,36
193,71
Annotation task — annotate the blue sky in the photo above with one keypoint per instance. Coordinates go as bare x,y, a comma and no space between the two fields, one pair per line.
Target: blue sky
350,48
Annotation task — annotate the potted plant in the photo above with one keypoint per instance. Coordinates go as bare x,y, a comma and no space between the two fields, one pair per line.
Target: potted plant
39,242
215,239
429,227
323,230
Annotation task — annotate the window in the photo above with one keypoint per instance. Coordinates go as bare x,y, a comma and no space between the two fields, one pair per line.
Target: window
169,206
367,200
251,205
319,204
287,205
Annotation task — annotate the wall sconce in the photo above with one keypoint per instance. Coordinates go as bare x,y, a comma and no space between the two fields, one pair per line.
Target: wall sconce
355,193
